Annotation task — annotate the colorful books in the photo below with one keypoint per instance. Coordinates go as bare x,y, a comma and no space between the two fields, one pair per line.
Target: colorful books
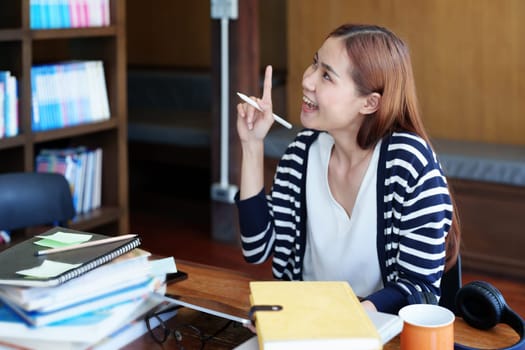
68,93
16,261
107,315
100,306
82,168
88,327
53,14
314,315
113,298
107,329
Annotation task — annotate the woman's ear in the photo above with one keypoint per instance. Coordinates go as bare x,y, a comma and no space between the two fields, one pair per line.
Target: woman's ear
371,104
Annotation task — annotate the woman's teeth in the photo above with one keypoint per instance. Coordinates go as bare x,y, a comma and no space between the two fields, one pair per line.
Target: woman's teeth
309,102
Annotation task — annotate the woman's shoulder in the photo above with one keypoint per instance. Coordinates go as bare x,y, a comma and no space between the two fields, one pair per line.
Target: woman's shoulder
408,138
410,147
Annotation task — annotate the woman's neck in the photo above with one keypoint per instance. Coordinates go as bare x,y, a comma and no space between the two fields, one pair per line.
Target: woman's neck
348,154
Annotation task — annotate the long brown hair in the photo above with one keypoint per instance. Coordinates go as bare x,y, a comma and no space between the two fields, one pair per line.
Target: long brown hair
381,63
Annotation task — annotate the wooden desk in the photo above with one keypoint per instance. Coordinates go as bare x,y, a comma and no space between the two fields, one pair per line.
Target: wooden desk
229,290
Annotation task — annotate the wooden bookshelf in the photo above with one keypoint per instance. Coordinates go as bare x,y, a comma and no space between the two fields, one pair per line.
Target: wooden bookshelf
20,49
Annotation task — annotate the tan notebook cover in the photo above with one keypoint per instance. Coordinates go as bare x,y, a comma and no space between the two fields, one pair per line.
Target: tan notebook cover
314,315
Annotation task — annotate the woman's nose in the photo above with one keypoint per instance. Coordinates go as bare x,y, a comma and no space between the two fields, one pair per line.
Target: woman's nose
308,79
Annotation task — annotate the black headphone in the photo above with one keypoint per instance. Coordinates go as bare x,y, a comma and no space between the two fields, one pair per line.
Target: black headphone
482,306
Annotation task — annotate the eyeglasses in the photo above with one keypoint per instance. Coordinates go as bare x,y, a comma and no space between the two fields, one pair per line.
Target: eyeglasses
161,332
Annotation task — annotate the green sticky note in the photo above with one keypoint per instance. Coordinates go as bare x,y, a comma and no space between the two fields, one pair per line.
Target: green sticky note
48,269
62,239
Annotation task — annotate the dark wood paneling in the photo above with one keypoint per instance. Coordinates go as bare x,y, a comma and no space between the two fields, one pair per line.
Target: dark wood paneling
491,217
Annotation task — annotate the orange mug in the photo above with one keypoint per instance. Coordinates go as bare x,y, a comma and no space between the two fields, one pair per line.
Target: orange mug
427,327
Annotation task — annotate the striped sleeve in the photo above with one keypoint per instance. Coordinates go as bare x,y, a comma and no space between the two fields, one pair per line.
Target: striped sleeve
256,228
418,215
272,225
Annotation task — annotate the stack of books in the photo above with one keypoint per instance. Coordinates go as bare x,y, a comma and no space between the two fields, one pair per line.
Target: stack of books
66,289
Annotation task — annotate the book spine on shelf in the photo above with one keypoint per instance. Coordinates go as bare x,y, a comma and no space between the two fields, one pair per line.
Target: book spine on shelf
56,14
44,15
68,94
34,14
97,184
82,168
35,103
3,117
88,182
11,118
84,15
53,13
64,13
8,104
4,100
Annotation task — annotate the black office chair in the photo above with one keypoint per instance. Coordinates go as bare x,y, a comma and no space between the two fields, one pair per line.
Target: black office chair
450,285
34,199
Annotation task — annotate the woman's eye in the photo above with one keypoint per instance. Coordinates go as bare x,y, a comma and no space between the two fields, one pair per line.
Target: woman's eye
326,76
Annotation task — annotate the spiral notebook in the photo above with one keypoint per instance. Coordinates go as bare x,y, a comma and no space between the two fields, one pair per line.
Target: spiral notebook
22,256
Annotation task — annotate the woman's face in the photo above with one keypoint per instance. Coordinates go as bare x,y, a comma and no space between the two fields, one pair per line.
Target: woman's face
330,99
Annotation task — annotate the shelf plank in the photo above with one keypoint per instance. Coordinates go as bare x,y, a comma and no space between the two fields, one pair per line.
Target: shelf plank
68,33
98,217
76,130
11,34
11,142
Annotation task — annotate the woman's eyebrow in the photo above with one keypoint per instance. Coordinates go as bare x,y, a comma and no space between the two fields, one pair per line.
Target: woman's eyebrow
330,69
326,66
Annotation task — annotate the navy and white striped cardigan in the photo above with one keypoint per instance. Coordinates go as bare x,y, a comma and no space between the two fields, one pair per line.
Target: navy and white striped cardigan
412,195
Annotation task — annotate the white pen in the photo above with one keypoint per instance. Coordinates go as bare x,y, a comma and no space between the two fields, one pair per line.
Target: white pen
275,116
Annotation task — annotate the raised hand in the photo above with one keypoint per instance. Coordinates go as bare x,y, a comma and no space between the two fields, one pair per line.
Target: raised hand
253,125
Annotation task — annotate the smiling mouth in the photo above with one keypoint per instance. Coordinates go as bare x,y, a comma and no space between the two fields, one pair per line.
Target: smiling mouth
309,103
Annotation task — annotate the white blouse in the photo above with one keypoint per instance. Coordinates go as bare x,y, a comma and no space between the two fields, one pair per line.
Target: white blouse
339,247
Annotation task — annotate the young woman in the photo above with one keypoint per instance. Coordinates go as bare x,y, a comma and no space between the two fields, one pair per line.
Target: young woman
359,195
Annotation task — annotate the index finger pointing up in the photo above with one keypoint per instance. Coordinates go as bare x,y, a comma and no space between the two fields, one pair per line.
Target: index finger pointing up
267,88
